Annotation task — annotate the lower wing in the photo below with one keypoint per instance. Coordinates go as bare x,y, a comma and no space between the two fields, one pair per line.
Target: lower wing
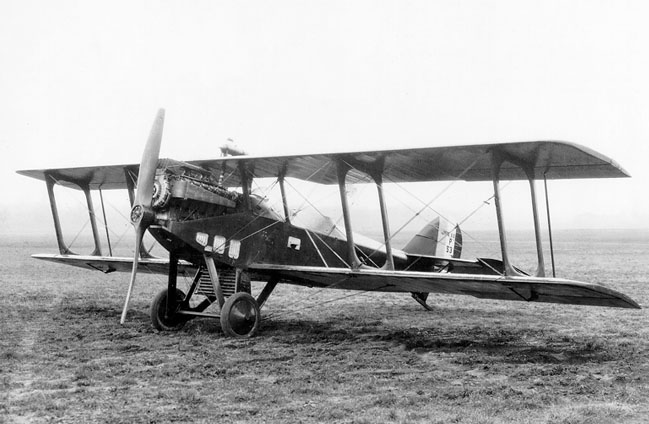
529,289
108,264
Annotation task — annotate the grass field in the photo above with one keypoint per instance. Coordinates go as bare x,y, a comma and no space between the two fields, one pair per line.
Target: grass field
330,356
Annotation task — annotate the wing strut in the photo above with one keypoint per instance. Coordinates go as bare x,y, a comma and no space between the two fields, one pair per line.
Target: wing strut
49,182
93,220
282,189
342,170
389,259
497,159
547,208
103,212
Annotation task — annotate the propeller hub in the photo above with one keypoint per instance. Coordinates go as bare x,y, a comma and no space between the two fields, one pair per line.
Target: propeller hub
141,215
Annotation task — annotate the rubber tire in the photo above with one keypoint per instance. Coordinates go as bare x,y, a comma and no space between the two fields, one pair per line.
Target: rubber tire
232,306
158,307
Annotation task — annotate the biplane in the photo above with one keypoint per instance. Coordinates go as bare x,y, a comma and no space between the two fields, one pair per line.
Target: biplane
207,216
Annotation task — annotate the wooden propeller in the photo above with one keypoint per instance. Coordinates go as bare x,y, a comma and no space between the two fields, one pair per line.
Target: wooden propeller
142,213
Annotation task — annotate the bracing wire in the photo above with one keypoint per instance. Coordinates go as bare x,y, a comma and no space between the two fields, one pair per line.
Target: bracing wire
428,204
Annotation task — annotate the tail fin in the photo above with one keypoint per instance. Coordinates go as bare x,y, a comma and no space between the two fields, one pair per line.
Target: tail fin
436,239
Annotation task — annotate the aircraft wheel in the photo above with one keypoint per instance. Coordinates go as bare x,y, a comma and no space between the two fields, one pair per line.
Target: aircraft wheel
158,309
240,316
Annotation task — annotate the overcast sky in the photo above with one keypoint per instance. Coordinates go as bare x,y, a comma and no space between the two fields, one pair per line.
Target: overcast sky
80,83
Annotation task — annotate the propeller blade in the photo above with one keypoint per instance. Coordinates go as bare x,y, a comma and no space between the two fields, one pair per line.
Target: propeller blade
149,162
141,214
139,234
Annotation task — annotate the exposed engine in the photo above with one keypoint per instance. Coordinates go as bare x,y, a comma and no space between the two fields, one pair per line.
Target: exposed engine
187,192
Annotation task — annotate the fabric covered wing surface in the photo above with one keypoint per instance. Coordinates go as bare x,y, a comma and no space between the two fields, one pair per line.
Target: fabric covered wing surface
554,159
530,289
109,264
549,290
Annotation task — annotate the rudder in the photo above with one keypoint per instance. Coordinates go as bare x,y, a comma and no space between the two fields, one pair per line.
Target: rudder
436,239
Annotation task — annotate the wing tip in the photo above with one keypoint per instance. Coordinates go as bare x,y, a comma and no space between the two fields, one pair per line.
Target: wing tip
622,172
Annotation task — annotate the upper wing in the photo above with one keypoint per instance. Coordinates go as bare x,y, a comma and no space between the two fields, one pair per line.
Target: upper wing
529,289
104,177
552,159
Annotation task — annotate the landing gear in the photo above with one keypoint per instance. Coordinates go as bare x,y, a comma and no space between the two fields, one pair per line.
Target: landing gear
162,319
240,316
227,287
